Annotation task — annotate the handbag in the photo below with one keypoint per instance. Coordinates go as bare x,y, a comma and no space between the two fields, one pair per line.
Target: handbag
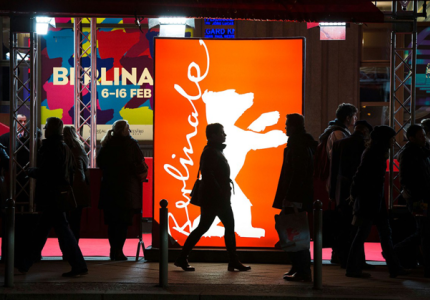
194,195
293,231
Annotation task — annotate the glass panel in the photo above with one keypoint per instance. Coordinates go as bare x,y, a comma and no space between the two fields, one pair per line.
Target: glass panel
376,42
375,115
374,84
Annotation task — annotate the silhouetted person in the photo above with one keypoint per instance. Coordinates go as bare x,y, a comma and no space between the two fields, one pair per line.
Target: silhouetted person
367,193
415,181
214,194
4,166
54,171
295,187
425,123
346,116
22,123
124,169
81,183
346,157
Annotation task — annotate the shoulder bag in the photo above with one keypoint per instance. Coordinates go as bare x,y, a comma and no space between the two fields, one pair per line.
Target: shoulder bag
195,191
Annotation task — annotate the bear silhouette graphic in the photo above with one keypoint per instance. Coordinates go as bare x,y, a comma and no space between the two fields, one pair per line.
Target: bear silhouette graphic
226,107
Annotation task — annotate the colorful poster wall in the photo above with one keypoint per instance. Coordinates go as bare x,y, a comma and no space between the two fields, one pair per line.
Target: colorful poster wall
246,85
125,76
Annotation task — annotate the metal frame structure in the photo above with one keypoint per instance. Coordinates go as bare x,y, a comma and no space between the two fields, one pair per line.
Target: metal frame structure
85,115
403,62
23,98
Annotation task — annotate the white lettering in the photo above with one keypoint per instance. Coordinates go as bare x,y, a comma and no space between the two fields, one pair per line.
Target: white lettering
60,73
193,121
103,80
146,78
127,76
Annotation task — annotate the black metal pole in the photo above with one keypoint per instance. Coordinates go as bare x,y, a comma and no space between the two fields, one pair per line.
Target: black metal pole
164,256
10,243
318,245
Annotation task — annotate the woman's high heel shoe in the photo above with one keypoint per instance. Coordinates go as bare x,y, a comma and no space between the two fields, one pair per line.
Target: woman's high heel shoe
237,265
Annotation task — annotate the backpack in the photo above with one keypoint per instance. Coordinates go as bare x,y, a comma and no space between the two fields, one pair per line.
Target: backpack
321,160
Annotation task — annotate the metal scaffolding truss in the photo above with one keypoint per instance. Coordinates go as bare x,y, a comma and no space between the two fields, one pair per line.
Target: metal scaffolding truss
402,89
85,115
23,74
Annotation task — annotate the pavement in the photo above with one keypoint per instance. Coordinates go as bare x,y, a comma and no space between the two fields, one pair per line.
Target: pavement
139,280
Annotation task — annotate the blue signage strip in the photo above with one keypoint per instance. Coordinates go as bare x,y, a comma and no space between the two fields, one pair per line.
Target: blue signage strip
223,33
219,22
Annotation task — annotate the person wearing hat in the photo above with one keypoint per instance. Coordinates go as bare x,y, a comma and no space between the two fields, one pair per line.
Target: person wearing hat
369,208
346,157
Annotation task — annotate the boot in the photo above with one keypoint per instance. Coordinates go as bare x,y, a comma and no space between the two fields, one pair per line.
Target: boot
182,262
235,264
118,255
292,271
394,266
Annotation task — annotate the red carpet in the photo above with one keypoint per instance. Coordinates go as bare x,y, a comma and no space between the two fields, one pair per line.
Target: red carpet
372,250
96,247
100,247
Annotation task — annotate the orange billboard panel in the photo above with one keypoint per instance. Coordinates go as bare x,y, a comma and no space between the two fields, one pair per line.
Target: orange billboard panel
248,86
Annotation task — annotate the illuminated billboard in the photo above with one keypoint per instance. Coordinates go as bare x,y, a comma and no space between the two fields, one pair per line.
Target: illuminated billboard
246,85
124,72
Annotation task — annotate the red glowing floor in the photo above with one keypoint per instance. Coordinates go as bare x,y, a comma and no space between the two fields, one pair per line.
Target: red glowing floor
100,247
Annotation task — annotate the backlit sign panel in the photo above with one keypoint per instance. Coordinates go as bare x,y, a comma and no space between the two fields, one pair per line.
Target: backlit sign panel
246,85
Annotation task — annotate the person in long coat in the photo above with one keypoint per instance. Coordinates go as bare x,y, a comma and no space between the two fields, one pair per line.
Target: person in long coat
214,194
81,183
367,195
346,158
124,169
415,181
295,187
54,176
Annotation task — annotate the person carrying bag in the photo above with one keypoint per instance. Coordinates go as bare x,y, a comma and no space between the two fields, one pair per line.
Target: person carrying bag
294,196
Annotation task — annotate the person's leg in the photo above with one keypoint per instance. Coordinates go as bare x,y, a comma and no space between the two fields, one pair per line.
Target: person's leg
38,240
425,244
111,238
346,234
354,264
225,214
207,216
384,231
68,243
301,262
120,238
407,250
75,218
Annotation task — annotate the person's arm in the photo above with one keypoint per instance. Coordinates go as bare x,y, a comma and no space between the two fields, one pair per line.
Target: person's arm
358,179
4,159
139,164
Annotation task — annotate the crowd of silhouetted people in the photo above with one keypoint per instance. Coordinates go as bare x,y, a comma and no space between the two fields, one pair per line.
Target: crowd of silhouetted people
63,189
350,158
